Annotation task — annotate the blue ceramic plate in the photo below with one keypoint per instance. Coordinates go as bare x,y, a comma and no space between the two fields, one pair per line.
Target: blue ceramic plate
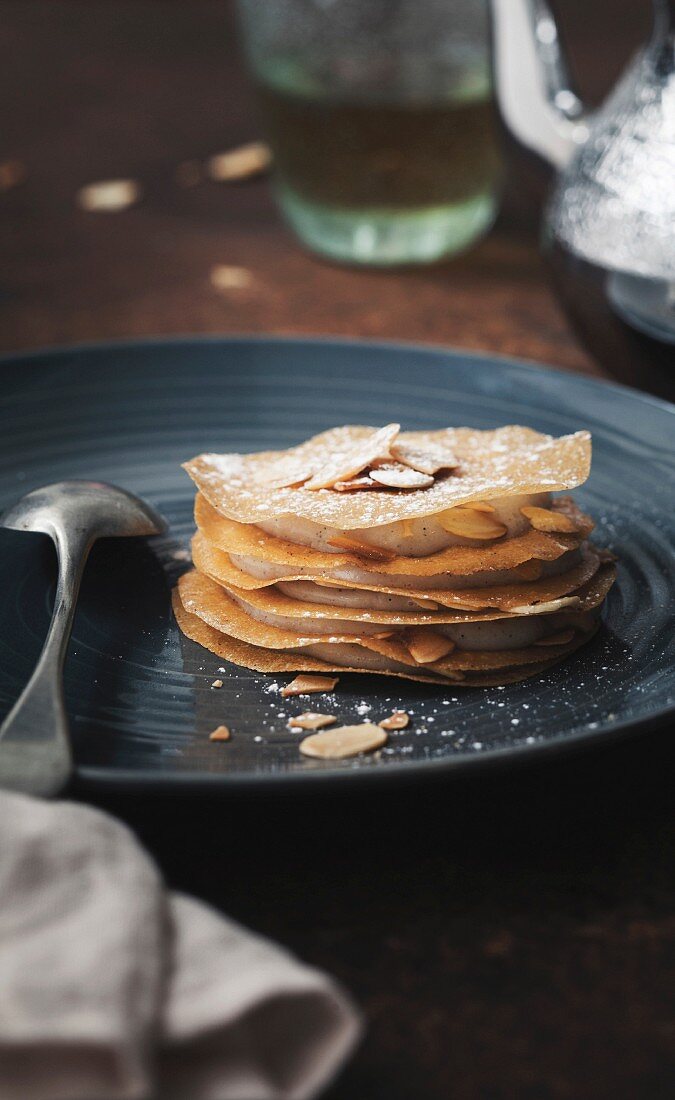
139,695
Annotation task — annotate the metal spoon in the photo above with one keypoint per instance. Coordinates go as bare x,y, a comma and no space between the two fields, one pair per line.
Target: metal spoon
35,752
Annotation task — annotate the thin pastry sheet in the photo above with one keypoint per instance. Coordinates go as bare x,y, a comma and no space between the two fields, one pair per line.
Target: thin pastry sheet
273,602
506,462
249,541
206,599
219,567
258,659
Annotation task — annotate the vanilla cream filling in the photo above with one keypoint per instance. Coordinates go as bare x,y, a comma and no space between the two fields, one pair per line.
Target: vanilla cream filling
354,656
269,571
415,538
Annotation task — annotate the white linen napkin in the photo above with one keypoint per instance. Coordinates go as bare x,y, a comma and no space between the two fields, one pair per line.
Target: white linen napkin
111,988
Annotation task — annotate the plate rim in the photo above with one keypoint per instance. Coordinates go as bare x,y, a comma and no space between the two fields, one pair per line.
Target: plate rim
531,366
137,780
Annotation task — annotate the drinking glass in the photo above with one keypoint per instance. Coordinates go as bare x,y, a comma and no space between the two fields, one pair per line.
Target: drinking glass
379,116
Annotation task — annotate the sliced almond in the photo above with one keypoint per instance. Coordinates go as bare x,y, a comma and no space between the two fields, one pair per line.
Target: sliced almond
383,635
480,506
396,476
543,519
306,683
425,646
287,474
425,603
396,721
108,196
427,461
335,744
363,549
242,163
561,638
355,483
346,466
470,523
311,720
530,570
217,684
220,733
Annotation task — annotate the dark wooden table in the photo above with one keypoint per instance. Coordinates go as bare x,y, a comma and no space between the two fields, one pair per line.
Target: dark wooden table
510,935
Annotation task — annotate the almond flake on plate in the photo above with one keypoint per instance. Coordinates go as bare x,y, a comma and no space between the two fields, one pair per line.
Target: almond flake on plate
396,721
217,684
108,196
363,549
469,523
543,519
220,733
335,744
397,476
427,461
425,646
242,163
307,683
561,638
343,467
311,720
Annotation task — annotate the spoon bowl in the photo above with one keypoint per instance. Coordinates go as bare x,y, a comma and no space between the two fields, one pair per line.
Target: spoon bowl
35,753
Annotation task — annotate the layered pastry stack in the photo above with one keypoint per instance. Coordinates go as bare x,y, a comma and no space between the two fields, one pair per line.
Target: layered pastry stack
437,556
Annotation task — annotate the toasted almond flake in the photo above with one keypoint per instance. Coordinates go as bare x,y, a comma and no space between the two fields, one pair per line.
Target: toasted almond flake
188,173
305,684
383,634
396,476
217,684
225,277
425,646
220,733
108,196
352,462
470,523
479,506
12,173
543,519
427,461
561,638
241,163
425,603
335,744
396,721
355,483
364,549
530,570
311,720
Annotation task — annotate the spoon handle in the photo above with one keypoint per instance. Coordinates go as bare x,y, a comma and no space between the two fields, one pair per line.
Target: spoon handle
35,753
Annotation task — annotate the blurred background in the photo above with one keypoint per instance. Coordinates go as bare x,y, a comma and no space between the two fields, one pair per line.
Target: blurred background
137,89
